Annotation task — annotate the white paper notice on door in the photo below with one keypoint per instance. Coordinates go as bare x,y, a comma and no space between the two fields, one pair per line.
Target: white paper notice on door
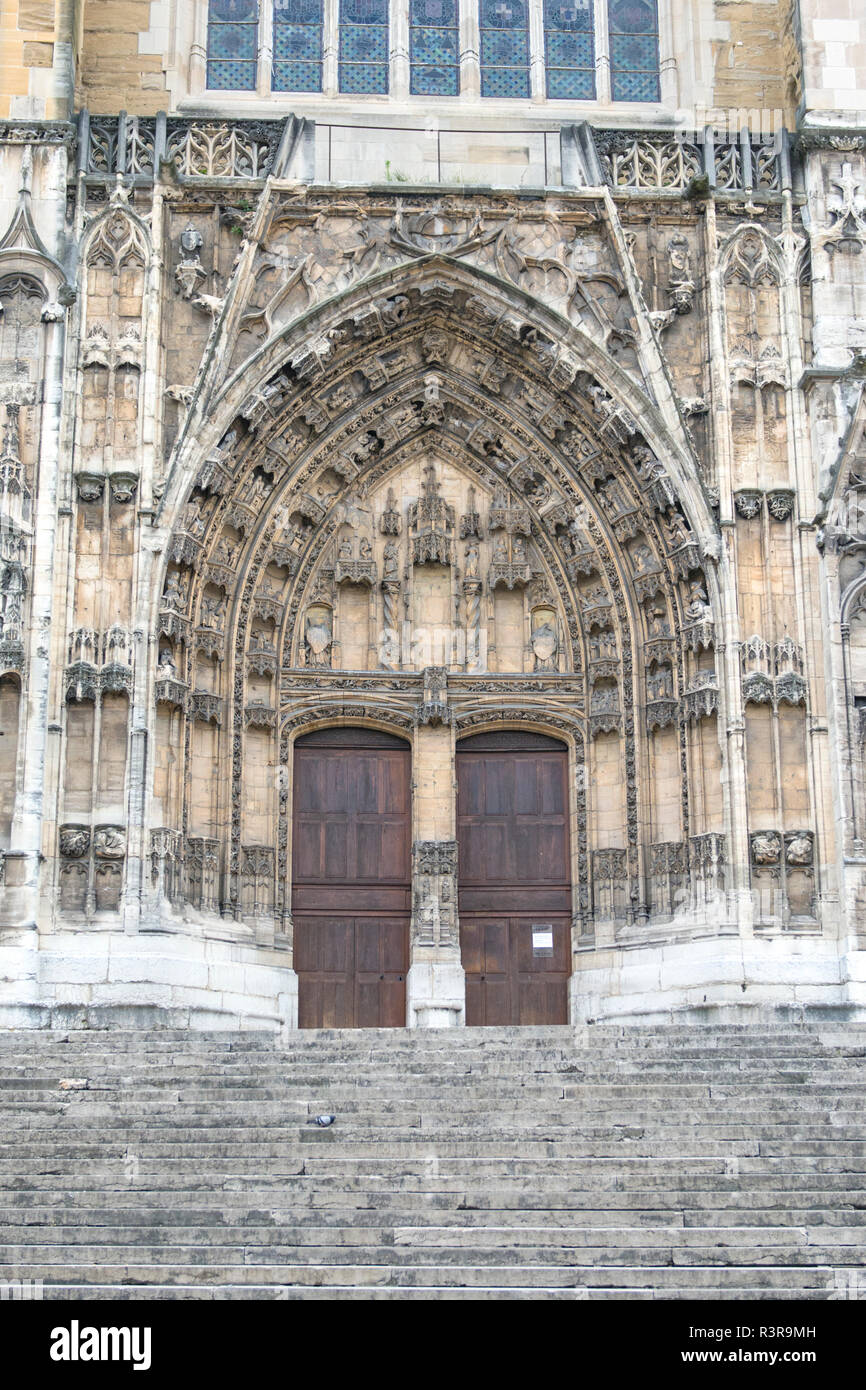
542,939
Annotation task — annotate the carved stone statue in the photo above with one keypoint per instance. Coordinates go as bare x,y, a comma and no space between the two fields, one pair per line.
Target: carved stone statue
317,638
391,562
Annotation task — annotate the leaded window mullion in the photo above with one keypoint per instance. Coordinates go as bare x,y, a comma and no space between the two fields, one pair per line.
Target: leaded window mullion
399,57
331,47
537,73
470,50
602,54
266,50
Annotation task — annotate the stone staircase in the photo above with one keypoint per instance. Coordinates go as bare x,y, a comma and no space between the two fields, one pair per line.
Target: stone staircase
663,1162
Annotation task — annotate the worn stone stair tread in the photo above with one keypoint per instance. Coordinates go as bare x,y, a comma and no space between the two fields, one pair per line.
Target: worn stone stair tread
657,1162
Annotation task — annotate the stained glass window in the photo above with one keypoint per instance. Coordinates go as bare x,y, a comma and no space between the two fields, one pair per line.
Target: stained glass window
634,49
569,42
434,48
232,32
504,48
297,46
363,45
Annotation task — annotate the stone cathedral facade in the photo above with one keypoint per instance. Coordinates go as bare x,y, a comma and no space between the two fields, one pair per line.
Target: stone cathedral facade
432,511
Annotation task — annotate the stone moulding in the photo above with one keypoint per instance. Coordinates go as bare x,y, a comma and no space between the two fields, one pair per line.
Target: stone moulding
660,714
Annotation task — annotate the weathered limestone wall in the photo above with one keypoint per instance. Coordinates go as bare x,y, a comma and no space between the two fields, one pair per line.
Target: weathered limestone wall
37,59
277,455
119,55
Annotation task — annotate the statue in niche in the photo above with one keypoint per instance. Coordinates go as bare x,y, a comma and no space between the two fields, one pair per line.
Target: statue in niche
317,636
194,523
346,549
698,605
213,610
500,551
258,640
659,686
175,589
602,646
166,670
518,550
365,549
391,562
224,552
471,561
657,620
642,559
675,531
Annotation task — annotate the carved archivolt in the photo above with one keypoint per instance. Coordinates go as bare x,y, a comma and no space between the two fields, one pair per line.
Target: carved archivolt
432,460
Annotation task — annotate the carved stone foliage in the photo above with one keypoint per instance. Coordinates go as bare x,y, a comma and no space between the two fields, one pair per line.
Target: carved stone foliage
91,869
748,503
74,841
766,849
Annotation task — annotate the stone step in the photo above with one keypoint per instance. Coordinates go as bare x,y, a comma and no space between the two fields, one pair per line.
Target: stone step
240,1223
514,1236
816,1276
567,1163
422,1293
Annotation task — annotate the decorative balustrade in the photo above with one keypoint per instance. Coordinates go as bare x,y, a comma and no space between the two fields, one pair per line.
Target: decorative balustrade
652,160
136,145
746,163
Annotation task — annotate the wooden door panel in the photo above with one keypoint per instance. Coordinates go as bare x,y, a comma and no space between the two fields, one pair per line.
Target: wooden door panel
526,959
542,1002
351,971
514,865
351,878
471,948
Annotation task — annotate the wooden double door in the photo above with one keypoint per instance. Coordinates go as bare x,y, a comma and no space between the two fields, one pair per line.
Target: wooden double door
515,880
351,878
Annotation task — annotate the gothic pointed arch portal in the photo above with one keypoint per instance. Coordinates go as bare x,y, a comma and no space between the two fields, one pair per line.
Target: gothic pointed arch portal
431,510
